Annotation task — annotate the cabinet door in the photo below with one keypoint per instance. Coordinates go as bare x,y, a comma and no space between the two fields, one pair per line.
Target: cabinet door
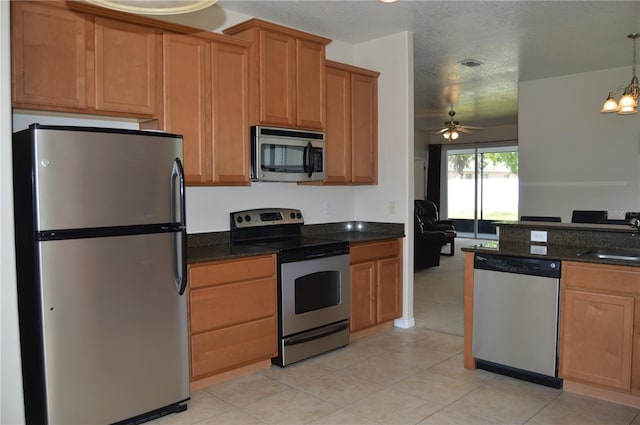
363,295
126,65
310,87
389,289
230,138
338,130
596,341
186,98
277,79
55,37
364,129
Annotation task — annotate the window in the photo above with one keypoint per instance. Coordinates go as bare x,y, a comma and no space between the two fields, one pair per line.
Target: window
481,188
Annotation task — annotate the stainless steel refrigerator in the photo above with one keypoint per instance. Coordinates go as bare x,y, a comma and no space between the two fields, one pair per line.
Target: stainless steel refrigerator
101,271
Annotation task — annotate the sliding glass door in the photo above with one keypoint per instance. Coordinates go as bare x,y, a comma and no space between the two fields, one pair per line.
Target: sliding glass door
481,188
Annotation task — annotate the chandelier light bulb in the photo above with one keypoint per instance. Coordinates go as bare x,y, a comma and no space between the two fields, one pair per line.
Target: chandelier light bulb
628,103
610,105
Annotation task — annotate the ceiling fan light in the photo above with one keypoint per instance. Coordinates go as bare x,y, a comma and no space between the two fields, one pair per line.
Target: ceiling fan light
446,134
454,135
610,105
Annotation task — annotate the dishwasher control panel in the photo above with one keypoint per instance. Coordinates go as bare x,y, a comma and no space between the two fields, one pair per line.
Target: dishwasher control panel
519,265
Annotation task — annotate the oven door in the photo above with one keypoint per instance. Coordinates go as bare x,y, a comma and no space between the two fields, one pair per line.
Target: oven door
314,293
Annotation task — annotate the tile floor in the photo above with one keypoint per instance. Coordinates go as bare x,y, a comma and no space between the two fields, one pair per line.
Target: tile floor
399,376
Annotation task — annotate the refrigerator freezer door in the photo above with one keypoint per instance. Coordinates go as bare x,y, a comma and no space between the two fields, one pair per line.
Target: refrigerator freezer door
115,328
103,179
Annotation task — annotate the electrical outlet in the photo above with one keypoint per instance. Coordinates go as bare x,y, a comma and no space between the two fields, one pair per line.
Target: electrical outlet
538,249
538,236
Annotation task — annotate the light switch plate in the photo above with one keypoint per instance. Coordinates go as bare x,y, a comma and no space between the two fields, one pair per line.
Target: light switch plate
538,236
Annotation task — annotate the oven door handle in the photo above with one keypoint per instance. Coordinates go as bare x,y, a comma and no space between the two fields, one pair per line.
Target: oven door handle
316,334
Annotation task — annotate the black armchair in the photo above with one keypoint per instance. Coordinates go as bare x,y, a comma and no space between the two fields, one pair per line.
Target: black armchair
427,212
426,246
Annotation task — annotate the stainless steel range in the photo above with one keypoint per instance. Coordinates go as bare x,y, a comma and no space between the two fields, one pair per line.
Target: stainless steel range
313,281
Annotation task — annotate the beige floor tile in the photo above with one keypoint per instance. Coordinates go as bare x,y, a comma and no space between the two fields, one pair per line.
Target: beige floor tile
435,387
446,343
298,373
506,400
290,407
233,417
393,407
339,388
344,417
345,356
453,367
201,406
381,370
421,356
451,417
247,389
573,409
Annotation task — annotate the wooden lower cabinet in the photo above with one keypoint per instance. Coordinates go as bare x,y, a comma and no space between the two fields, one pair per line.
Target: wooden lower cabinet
599,326
376,283
232,315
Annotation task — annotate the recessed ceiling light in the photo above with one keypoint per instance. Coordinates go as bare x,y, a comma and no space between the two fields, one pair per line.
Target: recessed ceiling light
388,1
470,63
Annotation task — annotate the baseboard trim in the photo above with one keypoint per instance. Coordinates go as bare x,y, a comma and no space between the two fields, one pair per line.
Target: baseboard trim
404,323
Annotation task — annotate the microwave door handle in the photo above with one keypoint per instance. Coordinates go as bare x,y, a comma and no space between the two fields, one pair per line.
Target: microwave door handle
308,159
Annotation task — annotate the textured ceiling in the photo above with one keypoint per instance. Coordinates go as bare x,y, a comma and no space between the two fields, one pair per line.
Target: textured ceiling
515,40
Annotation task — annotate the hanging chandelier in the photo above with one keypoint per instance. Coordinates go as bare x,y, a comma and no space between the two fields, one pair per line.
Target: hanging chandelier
154,7
628,103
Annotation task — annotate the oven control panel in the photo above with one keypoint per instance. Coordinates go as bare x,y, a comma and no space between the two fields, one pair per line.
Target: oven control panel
266,217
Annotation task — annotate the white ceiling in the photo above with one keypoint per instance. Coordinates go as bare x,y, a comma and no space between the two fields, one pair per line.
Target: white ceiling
516,41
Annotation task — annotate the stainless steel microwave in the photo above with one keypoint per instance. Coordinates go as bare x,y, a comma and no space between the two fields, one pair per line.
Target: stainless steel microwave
287,155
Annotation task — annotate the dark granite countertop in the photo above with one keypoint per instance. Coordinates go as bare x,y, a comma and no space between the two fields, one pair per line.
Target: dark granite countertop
214,246
566,241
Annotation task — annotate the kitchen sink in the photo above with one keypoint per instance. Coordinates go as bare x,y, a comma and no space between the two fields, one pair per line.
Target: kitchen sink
628,254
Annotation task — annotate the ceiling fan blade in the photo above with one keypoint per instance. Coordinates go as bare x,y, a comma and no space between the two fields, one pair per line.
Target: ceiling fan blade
441,131
470,127
463,130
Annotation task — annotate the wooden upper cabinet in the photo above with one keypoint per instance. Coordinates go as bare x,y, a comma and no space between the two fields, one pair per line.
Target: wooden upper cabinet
49,56
338,132
364,128
287,75
187,87
127,60
206,99
310,85
66,59
230,114
277,102
352,124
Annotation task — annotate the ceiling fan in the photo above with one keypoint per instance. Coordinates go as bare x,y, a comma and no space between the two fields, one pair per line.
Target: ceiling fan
452,129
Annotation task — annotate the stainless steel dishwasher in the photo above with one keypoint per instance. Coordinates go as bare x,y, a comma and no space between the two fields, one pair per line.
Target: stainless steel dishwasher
515,317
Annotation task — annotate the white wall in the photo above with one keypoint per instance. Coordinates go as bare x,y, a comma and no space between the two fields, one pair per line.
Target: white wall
392,199
11,401
571,155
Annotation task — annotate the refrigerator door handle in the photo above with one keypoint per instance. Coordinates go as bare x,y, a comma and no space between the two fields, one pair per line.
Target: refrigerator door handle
178,216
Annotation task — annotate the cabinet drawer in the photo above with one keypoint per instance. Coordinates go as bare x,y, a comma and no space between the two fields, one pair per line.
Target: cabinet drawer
209,274
216,351
370,251
601,277
225,305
